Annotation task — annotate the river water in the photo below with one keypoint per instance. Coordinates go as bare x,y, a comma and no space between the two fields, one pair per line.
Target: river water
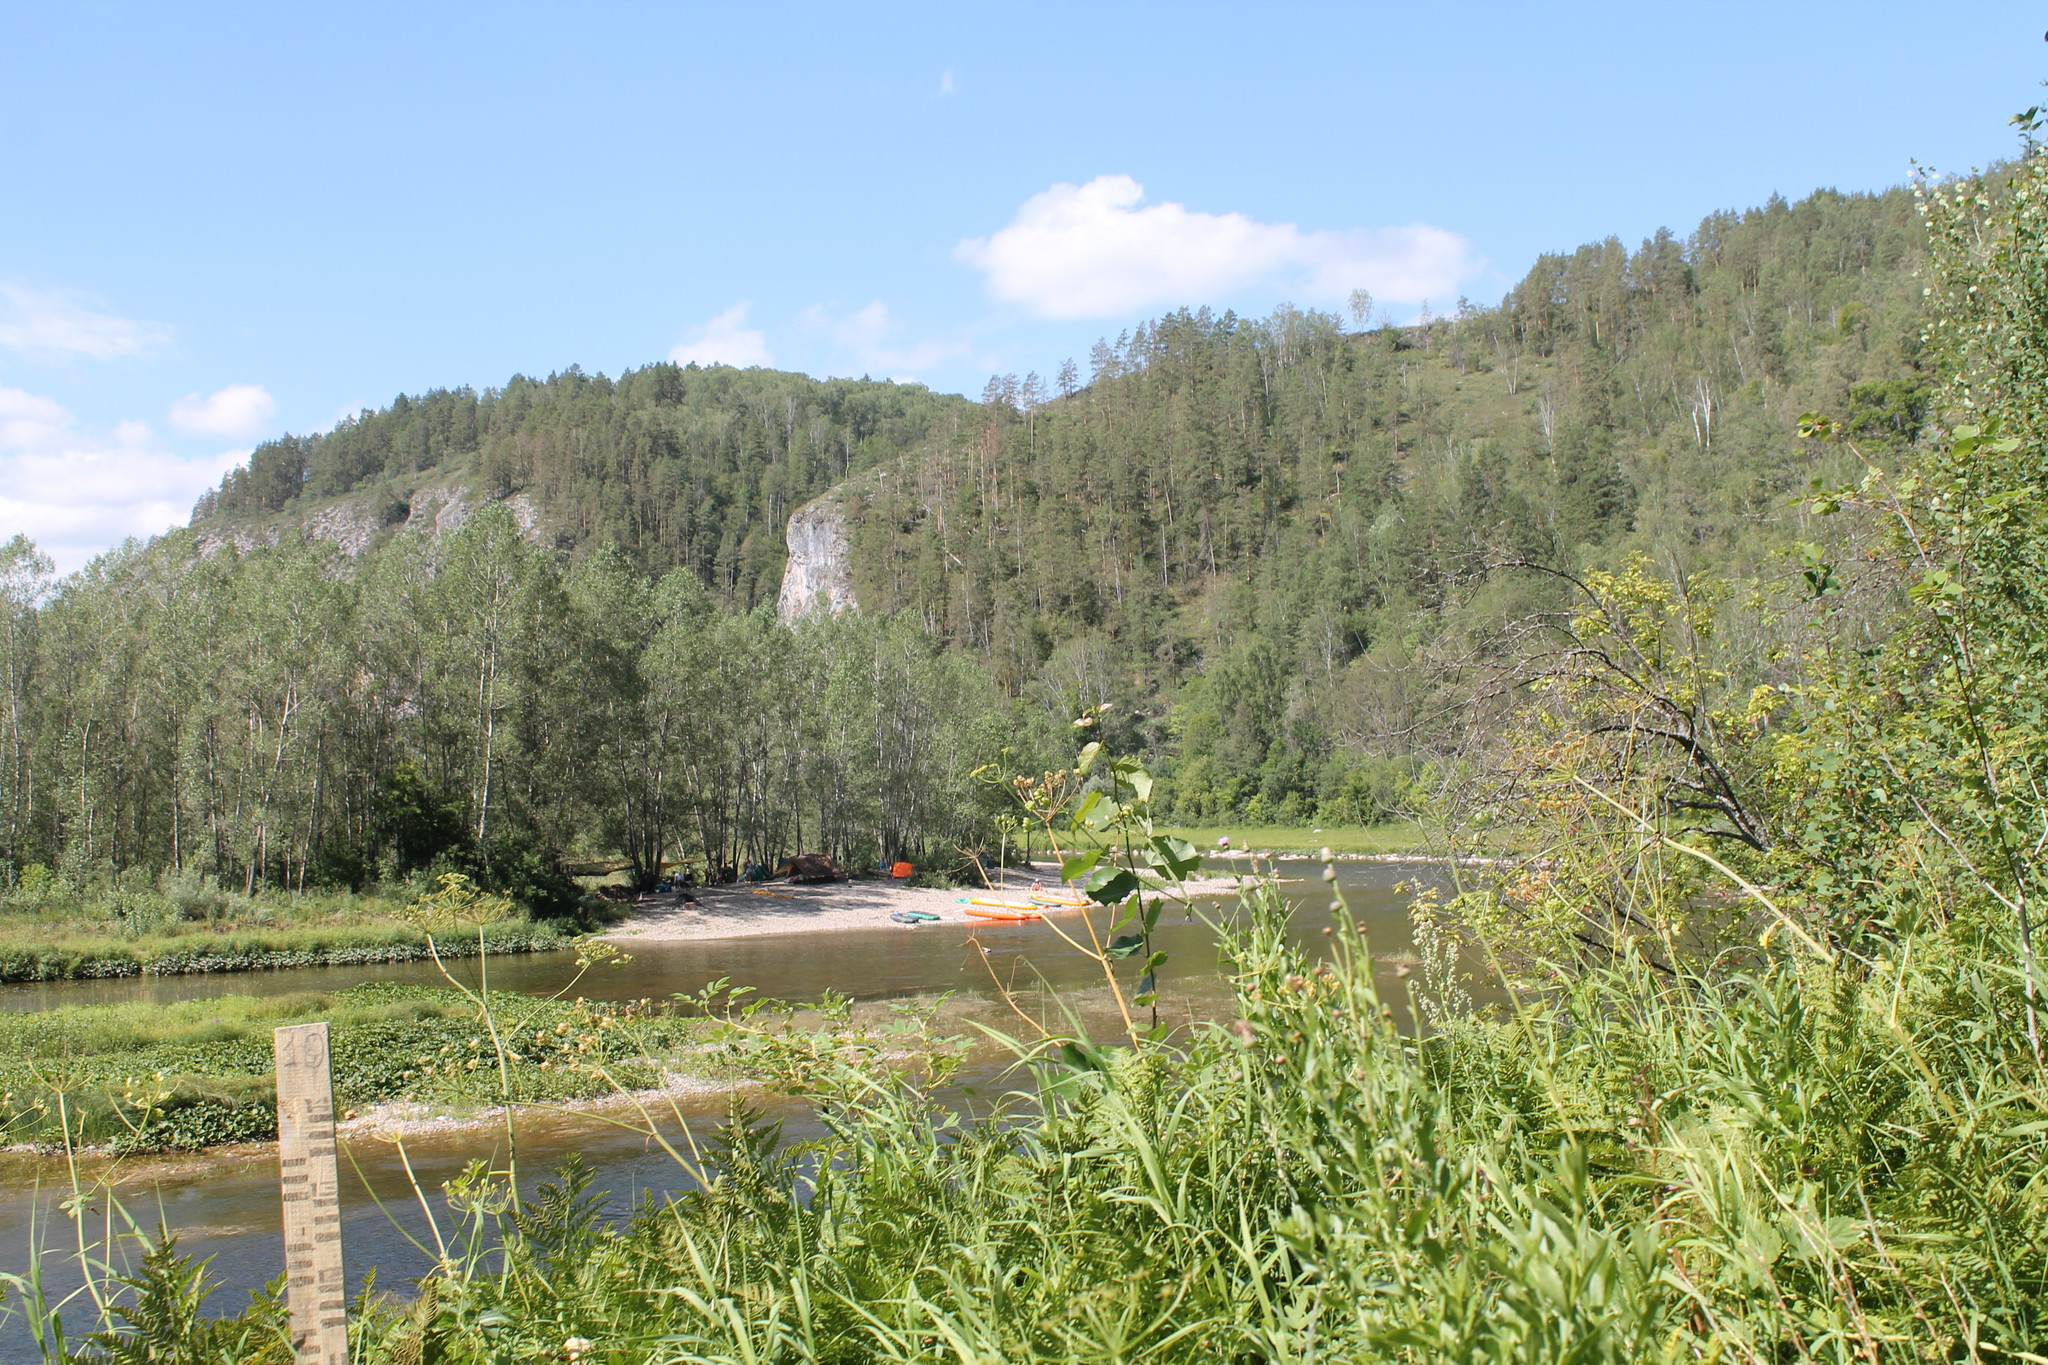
225,1206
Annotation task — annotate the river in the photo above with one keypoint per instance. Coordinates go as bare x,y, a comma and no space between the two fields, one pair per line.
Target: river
225,1206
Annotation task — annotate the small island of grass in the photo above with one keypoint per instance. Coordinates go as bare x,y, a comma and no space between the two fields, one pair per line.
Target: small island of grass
1397,838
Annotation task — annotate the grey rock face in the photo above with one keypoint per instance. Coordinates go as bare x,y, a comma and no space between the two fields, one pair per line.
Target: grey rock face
353,524
815,576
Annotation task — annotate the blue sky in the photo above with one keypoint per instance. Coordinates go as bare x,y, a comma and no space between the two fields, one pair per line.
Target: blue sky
220,222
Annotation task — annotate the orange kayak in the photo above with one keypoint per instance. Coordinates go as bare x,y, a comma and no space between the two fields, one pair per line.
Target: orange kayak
1003,912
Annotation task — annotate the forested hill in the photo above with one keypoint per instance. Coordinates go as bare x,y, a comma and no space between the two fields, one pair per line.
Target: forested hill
1247,529
1246,532
1286,478
1337,472
678,466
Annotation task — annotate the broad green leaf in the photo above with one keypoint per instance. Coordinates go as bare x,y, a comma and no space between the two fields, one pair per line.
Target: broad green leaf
1133,774
1176,858
1080,865
1110,885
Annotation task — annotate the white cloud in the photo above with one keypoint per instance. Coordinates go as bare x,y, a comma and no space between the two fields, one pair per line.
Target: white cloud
870,341
75,493
947,85
31,422
725,340
53,322
237,410
1089,251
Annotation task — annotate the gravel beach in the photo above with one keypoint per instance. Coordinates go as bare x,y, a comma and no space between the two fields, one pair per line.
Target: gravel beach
862,903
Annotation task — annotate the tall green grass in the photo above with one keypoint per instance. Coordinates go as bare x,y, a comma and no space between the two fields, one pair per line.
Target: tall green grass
1804,1161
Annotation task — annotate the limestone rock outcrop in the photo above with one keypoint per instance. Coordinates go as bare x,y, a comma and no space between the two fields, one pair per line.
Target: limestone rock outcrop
815,577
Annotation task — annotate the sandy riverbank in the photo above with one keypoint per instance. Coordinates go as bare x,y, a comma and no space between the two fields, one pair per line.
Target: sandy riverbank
397,1120
864,903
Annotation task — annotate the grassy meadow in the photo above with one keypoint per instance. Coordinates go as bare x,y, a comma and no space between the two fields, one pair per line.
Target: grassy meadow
54,929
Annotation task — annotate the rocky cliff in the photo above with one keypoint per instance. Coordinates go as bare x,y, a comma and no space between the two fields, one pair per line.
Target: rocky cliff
354,522
814,577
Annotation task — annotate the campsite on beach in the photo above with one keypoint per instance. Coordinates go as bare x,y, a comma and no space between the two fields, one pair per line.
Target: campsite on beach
800,905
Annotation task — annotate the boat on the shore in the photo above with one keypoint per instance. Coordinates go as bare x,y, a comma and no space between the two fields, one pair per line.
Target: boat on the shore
913,916
1059,903
1001,910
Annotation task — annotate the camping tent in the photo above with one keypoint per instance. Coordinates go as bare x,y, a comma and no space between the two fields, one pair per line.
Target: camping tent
809,867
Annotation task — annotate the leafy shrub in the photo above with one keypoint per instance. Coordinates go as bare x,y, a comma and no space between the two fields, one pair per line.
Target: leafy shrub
162,1307
533,877
200,1113
416,822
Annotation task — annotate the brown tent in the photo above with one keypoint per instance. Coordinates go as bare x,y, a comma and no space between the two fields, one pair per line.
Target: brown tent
809,867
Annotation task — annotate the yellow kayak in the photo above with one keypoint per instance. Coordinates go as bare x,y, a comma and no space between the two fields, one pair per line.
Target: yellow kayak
1001,910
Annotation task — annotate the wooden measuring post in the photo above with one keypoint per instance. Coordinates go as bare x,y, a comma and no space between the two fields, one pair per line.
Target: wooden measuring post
311,1182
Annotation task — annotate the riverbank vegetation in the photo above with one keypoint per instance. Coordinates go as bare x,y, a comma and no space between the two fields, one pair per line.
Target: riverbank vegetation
198,1073
293,721
140,1078
1795,1161
176,924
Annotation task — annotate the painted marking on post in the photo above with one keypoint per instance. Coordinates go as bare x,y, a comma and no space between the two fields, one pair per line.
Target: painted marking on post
311,1183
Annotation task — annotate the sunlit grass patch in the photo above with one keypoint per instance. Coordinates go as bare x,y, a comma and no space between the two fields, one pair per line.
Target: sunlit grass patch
197,1072
1304,840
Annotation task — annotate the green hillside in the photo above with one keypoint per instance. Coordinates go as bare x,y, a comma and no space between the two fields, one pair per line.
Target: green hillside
678,467
1614,395
1242,530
